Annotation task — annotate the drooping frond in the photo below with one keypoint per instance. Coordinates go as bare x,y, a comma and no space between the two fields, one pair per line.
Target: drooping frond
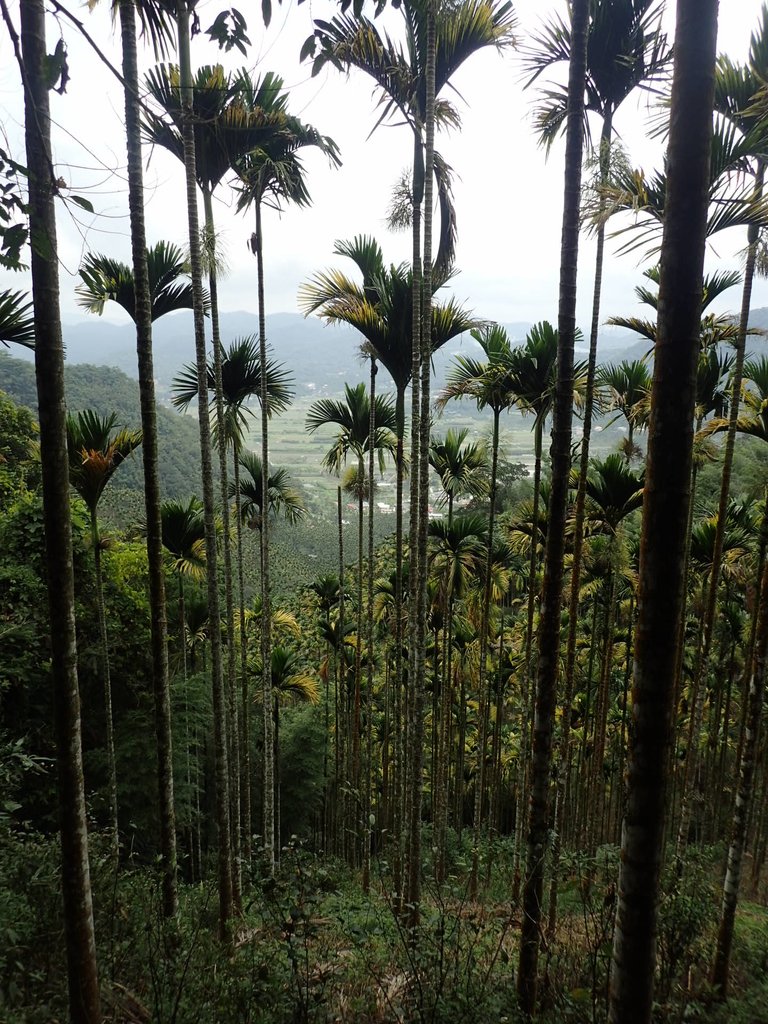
17,325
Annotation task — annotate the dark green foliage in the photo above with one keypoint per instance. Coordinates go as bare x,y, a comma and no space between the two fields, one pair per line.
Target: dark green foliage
19,465
106,390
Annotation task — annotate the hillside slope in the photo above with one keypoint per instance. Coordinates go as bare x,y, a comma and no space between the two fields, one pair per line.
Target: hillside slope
108,390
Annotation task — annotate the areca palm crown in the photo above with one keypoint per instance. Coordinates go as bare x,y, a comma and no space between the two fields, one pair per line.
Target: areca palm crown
183,535
399,71
462,467
96,450
282,498
105,279
628,385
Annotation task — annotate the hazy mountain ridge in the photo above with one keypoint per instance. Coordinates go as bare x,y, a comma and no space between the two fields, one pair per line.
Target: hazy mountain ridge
322,358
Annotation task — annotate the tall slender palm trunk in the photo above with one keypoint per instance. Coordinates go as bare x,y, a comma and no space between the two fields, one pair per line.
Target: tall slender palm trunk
245,702
341,694
551,595
107,683
420,443
483,690
82,972
233,731
270,837
217,680
149,449
665,510
564,746
398,682
368,785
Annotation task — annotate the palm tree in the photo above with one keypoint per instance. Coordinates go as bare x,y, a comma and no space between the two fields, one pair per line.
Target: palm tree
282,498
95,452
614,491
462,468
269,171
82,970
150,300
549,622
183,537
240,378
456,558
411,78
288,679
382,310
185,87
353,418
665,511
106,279
400,73
161,289
628,385
626,50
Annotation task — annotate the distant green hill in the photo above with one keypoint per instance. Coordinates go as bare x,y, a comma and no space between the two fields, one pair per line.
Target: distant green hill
108,390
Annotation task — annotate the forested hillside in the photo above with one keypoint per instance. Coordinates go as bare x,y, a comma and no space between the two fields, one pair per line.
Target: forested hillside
108,390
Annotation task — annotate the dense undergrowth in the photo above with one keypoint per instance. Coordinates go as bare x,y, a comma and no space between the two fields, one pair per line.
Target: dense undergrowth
310,946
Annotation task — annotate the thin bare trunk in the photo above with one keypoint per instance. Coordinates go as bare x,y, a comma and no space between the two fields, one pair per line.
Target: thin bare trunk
149,448
551,594
82,973
217,679
665,510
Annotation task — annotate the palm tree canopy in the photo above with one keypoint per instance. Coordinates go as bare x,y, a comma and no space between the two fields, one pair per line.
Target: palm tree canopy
613,490
754,419
458,551
628,385
462,467
399,70
535,368
352,417
225,128
733,200
289,679
272,171
95,452
16,321
523,375
737,538
626,49
241,380
105,279
489,383
183,535
283,499
326,590
714,328
381,307
712,376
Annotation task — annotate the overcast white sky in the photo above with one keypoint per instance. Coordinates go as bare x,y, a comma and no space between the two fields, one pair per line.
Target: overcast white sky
508,197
